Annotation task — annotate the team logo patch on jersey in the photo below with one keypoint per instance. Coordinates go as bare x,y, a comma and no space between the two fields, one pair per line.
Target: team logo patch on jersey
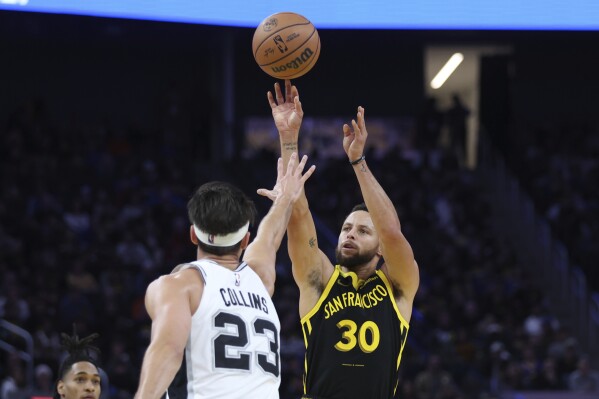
343,283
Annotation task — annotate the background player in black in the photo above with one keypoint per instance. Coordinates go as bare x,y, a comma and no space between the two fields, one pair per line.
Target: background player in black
365,237
79,374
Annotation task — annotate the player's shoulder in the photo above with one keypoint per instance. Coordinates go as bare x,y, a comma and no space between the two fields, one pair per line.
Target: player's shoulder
180,266
179,279
183,285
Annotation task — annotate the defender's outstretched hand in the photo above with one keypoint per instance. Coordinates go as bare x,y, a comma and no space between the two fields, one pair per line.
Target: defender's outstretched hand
354,137
286,110
290,183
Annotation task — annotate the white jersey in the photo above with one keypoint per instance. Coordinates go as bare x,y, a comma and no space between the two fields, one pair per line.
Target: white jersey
233,346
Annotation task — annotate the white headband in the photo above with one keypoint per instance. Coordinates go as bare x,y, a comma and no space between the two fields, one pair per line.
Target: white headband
226,240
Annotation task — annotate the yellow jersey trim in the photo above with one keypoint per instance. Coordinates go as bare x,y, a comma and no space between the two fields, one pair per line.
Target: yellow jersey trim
401,319
383,277
305,321
355,280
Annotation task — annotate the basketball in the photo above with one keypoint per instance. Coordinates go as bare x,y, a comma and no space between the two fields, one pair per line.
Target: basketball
286,45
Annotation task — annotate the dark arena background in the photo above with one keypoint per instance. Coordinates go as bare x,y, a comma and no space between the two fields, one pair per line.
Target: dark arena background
107,126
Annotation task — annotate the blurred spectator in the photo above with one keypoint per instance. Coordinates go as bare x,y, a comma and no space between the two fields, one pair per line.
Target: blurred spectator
533,324
407,390
568,362
46,341
456,118
584,379
13,307
132,252
122,378
75,307
14,385
44,381
434,382
80,279
547,379
428,125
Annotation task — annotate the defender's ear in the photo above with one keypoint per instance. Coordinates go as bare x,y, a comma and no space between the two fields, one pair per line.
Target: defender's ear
246,240
192,235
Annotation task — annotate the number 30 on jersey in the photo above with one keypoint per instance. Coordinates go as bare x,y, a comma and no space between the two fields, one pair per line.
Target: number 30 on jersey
349,339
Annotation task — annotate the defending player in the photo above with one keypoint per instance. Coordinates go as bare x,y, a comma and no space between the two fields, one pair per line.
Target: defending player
215,331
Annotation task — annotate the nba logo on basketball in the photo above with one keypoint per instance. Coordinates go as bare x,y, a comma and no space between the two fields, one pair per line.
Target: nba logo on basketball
211,238
280,43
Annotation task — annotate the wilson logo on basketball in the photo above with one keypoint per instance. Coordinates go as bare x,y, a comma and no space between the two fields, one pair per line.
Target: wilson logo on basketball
296,63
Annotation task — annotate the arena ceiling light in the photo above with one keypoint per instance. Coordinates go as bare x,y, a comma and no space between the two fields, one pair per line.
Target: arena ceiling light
445,72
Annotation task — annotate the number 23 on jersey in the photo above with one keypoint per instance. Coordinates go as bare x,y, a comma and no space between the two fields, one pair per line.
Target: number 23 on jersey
230,341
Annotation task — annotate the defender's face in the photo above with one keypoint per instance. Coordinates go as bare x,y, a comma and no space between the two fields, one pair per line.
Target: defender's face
81,382
358,241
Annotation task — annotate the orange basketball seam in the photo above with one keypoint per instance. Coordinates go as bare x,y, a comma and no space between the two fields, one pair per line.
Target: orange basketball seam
277,31
298,47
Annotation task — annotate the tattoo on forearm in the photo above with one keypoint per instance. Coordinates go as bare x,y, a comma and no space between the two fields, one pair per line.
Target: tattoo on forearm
362,167
312,242
290,146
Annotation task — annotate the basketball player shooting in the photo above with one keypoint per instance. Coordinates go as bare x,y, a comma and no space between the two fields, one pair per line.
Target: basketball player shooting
355,316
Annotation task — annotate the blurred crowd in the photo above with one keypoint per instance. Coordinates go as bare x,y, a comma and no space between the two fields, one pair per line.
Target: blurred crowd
559,167
90,214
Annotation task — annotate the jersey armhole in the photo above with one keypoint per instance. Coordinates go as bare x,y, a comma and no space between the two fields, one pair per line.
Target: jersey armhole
201,273
195,266
390,290
322,297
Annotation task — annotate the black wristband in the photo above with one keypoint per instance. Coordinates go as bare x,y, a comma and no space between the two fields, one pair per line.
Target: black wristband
357,161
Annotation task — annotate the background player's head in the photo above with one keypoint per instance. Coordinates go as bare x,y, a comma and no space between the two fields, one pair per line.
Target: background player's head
358,242
220,215
79,373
